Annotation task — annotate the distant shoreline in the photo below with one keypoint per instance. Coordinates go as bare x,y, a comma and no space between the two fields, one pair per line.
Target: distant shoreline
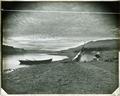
60,49
83,43
101,76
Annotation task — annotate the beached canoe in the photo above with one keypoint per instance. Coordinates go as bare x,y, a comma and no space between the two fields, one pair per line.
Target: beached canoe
31,62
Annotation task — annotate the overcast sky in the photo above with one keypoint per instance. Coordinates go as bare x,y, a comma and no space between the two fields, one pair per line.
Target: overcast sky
33,24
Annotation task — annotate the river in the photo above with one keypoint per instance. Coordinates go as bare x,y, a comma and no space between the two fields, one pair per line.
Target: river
12,61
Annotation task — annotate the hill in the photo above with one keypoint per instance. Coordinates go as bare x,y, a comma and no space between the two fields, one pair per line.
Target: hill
59,77
99,45
11,50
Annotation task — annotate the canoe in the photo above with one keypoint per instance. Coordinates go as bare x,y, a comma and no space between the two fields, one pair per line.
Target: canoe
31,62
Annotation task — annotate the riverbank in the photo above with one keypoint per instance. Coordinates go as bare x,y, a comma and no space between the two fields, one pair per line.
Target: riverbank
66,77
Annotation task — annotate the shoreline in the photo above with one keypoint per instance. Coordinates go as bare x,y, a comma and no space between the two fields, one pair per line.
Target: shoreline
85,42
65,53
66,77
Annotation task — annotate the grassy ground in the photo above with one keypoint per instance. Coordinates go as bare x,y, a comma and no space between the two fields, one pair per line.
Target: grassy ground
66,77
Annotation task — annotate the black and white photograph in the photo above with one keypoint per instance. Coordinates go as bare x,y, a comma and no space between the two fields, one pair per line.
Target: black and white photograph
51,47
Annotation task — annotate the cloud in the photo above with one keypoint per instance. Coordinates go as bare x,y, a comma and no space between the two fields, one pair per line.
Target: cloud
53,23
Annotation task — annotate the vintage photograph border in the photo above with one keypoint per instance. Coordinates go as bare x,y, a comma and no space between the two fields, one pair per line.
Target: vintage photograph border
115,93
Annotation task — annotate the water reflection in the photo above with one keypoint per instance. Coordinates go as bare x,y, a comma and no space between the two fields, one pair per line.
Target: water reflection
12,61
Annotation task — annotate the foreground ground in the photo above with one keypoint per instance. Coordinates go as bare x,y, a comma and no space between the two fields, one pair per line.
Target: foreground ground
66,77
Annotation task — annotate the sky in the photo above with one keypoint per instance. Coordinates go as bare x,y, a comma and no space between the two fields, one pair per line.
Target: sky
55,26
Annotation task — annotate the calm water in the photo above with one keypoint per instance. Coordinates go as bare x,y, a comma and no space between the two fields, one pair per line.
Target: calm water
12,61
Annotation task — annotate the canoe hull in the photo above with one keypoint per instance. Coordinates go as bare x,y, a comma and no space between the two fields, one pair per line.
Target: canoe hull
31,62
